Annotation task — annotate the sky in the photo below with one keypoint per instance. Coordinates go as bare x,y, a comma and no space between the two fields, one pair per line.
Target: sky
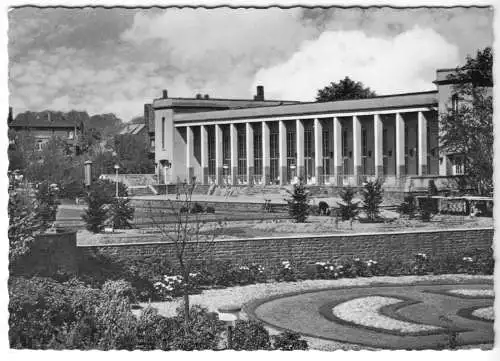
115,60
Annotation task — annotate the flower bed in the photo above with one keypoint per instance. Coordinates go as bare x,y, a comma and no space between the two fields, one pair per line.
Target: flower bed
486,313
473,293
365,311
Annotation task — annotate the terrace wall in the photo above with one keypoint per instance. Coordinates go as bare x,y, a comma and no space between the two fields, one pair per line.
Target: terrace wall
304,250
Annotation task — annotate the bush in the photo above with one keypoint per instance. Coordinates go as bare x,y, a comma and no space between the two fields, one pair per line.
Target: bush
431,188
286,272
427,208
210,209
196,208
372,198
409,206
314,210
289,341
46,197
348,209
323,208
298,203
250,336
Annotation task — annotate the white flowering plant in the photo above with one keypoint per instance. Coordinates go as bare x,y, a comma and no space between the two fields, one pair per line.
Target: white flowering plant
286,272
172,286
421,264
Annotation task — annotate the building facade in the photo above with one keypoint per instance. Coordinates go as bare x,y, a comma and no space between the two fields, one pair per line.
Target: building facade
243,142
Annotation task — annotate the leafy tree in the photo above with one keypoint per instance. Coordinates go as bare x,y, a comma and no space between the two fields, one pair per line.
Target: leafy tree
372,198
298,203
46,196
345,89
192,238
133,154
348,208
468,128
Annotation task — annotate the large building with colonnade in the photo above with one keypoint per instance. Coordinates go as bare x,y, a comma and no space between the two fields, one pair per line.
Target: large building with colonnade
338,143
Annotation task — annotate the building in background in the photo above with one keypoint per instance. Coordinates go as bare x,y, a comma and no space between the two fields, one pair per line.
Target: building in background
44,125
339,143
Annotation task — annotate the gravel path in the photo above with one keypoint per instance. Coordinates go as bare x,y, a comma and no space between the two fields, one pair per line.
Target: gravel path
215,298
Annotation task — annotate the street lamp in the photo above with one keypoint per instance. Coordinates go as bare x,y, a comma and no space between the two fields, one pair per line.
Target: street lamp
116,179
225,167
229,314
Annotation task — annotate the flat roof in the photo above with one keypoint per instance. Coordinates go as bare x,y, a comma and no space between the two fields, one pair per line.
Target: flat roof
216,102
406,100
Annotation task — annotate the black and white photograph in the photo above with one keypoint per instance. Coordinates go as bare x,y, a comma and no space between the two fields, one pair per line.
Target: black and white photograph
244,178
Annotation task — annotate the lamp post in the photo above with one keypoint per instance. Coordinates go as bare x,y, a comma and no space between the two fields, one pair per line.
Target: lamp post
225,167
116,179
292,167
229,314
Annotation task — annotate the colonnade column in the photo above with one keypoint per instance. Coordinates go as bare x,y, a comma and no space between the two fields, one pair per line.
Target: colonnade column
233,135
300,149
378,130
219,170
250,155
204,153
282,152
400,146
266,153
189,154
356,148
422,144
318,150
337,154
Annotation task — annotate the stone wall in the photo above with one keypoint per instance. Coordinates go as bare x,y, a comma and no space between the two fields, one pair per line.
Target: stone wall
303,250
217,205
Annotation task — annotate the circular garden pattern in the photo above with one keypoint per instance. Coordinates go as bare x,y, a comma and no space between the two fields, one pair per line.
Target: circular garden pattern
423,316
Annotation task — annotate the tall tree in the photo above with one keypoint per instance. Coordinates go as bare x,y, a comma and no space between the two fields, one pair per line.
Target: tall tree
345,89
467,126
133,154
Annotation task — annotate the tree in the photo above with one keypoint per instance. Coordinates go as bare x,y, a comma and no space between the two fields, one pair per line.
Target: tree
467,129
348,208
298,203
372,198
192,238
133,154
121,213
345,89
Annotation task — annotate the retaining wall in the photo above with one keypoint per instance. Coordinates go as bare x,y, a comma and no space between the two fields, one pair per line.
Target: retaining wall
303,250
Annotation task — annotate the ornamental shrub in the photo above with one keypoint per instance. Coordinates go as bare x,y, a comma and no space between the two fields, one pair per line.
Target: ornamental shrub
348,208
426,208
409,206
323,208
196,208
431,188
289,341
46,196
286,272
250,335
210,209
372,198
298,203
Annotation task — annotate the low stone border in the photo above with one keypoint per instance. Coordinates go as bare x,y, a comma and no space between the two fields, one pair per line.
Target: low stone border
460,295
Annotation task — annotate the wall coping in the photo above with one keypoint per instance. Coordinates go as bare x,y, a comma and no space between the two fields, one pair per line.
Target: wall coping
297,237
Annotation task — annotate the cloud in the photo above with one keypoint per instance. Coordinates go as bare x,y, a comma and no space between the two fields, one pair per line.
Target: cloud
115,60
404,63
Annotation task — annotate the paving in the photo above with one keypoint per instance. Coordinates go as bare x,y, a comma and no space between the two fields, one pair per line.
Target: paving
310,313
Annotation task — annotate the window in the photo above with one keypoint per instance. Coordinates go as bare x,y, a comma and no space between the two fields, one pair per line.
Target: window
364,142
242,151
384,142
163,133
257,150
344,143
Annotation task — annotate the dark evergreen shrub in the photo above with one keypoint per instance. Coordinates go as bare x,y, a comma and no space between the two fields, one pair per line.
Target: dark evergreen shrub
298,203
210,209
121,213
427,208
431,188
348,208
372,198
